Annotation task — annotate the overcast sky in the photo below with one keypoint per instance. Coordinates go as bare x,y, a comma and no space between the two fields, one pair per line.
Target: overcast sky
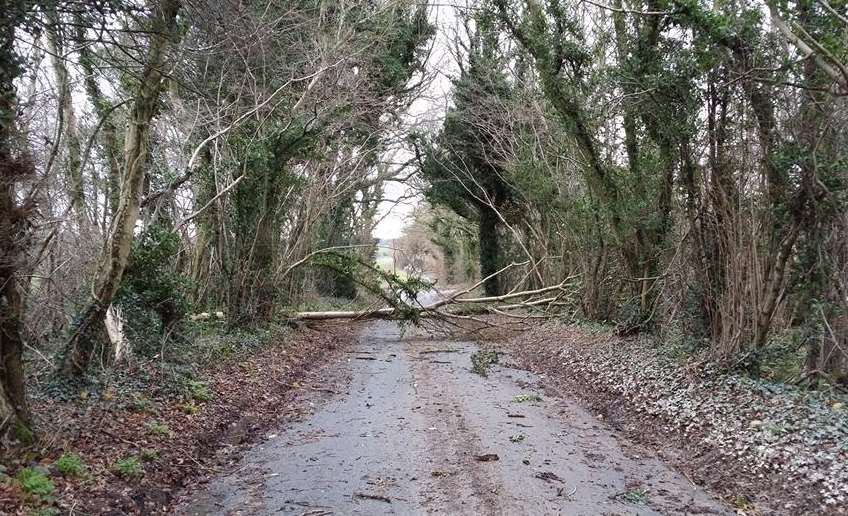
424,112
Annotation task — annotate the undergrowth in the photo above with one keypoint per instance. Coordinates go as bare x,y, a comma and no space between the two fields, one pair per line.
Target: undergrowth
70,465
129,468
34,482
176,372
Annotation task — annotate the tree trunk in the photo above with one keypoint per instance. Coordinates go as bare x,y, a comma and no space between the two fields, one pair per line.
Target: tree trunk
489,251
265,245
113,260
201,255
14,235
14,410
108,132
67,120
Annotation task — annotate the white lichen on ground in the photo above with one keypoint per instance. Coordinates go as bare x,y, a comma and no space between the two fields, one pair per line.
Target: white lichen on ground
766,427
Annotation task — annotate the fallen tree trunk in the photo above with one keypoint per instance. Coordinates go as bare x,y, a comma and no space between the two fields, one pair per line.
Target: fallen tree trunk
432,310
382,313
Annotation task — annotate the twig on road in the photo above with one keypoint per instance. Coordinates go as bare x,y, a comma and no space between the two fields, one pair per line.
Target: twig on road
373,497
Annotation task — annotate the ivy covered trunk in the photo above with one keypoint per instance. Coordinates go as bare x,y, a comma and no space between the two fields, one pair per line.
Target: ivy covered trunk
14,410
14,215
490,261
262,264
259,208
67,119
336,226
113,260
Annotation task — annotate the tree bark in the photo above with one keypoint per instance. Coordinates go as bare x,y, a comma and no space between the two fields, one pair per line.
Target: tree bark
113,260
14,234
108,133
489,251
14,409
67,120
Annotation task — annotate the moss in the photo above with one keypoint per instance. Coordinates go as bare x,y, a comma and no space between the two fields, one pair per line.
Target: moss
34,482
24,433
70,465
128,468
199,391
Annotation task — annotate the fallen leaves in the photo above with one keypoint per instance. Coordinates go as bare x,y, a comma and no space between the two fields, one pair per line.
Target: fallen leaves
775,442
143,445
524,398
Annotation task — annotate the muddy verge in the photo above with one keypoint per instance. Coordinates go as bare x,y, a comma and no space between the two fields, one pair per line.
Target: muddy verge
765,448
138,452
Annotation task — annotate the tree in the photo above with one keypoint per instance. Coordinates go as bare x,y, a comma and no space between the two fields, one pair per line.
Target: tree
161,24
654,129
463,168
15,169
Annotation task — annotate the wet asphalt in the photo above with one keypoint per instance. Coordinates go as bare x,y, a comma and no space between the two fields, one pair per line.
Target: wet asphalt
415,431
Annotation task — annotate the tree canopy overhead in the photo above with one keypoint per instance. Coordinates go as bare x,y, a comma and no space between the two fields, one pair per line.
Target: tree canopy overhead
683,161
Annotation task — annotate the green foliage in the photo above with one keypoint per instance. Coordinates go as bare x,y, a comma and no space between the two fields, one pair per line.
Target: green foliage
256,211
462,166
482,360
149,455
70,465
150,271
199,390
34,482
44,511
402,49
128,468
525,398
160,429
780,361
635,496
23,433
153,295
337,230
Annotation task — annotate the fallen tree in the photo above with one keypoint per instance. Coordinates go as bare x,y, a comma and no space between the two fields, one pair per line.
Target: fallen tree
409,308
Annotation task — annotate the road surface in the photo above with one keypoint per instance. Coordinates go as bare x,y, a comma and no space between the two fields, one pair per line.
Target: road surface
415,431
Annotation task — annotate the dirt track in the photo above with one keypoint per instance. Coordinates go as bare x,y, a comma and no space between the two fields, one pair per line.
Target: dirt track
406,435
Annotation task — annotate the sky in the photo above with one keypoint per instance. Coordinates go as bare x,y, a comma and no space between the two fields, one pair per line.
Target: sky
425,111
